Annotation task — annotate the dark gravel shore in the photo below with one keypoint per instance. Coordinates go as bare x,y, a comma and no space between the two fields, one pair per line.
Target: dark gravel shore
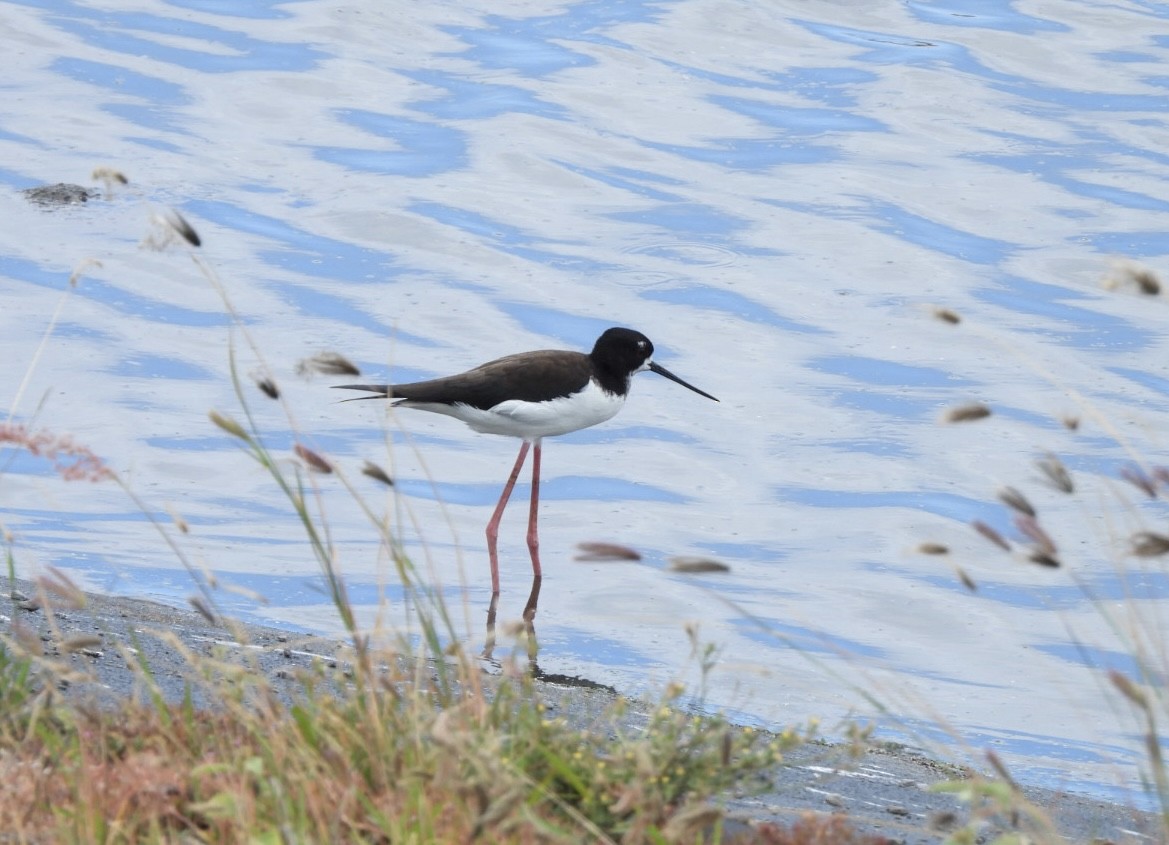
885,792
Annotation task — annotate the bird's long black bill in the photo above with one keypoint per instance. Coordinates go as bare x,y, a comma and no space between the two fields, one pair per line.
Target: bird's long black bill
662,371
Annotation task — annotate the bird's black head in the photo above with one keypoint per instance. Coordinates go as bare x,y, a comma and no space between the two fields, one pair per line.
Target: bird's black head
619,353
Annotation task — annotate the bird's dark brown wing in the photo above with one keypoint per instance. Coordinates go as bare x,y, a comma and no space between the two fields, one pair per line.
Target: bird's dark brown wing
529,376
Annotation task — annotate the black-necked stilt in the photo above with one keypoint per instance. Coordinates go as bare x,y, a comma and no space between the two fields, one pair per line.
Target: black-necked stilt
533,395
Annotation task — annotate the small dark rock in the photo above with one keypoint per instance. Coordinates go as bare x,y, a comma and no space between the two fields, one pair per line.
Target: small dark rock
58,195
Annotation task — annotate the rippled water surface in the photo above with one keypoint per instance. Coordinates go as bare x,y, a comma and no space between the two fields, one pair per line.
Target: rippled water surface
778,194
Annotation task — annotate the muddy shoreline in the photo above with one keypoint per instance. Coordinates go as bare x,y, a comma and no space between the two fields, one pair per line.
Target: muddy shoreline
885,792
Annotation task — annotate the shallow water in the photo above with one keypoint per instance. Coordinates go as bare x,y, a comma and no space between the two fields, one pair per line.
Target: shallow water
777,195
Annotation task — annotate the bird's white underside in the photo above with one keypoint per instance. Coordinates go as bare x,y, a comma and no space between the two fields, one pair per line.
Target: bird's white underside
533,420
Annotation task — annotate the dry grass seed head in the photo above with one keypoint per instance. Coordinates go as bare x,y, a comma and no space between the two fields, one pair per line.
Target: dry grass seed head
1126,273
1000,768
1016,501
228,424
1030,528
967,413
268,387
183,229
1147,281
593,551
70,460
315,461
328,364
203,609
60,586
27,638
1056,473
933,549
169,227
1043,559
694,564
80,642
110,179
1136,476
377,473
1149,544
966,580
1128,689
990,534
81,269
180,523
109,175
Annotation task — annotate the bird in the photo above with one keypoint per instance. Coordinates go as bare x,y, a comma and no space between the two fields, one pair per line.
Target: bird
533,395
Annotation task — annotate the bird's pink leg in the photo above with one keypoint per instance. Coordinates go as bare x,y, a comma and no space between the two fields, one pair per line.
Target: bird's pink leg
534,513
493,525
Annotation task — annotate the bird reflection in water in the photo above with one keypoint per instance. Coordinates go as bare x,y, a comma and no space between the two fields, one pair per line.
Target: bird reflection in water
529,634
529,627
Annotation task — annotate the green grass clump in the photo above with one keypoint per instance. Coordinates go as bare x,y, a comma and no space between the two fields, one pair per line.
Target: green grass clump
358,758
